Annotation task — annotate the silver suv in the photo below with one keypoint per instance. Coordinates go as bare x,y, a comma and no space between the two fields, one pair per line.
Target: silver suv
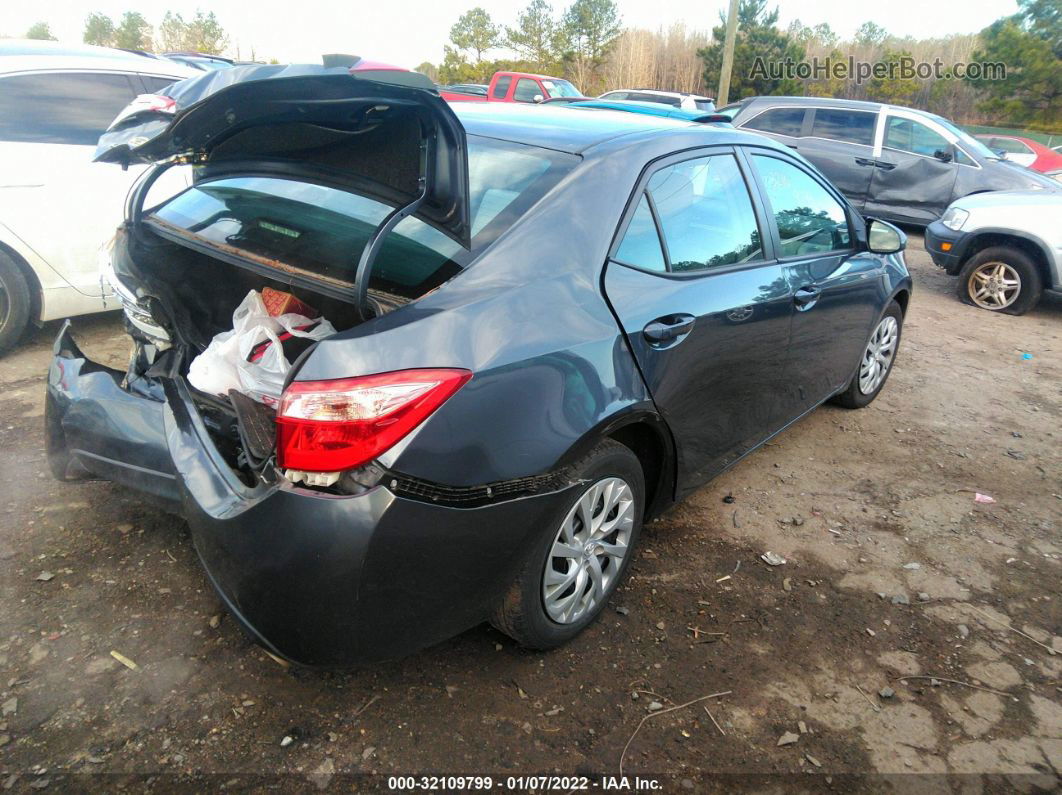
1005,247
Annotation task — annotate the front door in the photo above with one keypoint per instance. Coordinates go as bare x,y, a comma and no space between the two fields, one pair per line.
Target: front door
915,173
837,289
705,308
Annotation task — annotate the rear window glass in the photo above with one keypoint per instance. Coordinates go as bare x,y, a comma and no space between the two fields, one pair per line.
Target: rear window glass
61,108
322,230
853,126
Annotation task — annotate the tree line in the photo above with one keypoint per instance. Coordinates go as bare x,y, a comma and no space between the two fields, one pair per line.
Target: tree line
588,44
200,33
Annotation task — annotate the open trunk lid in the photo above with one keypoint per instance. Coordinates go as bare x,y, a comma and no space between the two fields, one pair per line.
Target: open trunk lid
404,145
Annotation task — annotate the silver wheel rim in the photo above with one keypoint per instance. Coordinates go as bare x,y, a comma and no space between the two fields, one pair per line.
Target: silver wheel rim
994,285
877,359
588,551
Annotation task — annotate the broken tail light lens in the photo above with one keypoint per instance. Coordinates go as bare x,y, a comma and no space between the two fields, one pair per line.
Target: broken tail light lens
329,426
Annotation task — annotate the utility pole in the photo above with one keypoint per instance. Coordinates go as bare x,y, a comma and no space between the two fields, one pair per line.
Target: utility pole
728,55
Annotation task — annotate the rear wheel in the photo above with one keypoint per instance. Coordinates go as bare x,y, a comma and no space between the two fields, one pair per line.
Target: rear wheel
582,555
877,361
14,303
1001,279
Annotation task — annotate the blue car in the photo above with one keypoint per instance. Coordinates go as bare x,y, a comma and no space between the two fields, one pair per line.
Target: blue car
650,109
549,326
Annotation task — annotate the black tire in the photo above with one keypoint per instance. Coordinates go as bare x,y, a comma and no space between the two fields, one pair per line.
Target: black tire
14,303
521,614
853,397
1030,286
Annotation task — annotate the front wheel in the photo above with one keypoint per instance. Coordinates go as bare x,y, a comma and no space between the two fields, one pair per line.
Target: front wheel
580,558
1001,279
876,363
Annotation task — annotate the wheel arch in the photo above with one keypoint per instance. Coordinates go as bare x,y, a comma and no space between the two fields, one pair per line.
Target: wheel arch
1028,244
645,434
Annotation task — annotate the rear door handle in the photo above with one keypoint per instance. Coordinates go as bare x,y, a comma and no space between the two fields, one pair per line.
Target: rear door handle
884,166
666,329
805,297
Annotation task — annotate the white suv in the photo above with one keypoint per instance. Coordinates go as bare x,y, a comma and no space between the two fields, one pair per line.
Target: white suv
56,206
1005,247
675,99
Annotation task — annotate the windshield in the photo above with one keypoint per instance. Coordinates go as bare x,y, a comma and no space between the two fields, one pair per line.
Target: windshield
560,88
969,143
321,230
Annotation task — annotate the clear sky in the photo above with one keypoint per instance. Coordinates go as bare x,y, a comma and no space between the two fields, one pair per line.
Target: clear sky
407,32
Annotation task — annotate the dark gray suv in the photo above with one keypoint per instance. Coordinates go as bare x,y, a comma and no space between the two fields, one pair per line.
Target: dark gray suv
892,162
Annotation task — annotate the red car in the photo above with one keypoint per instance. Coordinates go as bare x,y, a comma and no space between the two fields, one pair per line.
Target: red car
1027,152
514,87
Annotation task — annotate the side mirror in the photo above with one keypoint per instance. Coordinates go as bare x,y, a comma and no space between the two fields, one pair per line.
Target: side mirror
537,98
884,238
943,156
1002,153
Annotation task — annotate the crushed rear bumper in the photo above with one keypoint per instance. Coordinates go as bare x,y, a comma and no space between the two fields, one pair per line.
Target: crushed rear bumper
318,579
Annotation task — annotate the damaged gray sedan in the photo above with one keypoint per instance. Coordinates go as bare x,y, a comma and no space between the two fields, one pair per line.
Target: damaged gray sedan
544,326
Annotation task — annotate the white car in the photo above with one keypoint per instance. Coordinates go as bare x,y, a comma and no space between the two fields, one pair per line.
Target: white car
1005,247
57,207
675,99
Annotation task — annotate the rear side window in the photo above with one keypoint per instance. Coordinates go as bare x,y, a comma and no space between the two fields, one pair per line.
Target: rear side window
155,84
851,126
809,219
641,243
780,121
501,87
705,215
526,90
321,230
908,135
60,107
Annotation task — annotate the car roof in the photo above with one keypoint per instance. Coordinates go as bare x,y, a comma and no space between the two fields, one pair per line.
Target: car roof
649,108
31,56
569,130
659,93
829,102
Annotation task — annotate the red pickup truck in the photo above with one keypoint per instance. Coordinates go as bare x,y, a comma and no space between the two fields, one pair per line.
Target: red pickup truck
514,87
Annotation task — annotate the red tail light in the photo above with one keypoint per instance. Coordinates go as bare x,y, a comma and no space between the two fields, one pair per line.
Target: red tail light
328,426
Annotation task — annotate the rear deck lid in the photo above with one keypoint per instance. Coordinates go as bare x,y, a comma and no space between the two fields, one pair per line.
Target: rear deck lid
374,132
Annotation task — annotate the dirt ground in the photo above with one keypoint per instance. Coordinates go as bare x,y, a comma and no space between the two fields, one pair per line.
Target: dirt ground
893,569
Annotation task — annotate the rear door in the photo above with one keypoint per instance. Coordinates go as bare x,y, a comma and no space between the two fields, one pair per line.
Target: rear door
840,142
705,307
60,203
837,289
914,177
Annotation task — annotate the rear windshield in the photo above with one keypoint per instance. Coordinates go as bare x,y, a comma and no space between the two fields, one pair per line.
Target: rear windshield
322,230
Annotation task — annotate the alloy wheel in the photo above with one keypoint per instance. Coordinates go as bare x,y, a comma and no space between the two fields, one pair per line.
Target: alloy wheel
589,551
877,359
994,285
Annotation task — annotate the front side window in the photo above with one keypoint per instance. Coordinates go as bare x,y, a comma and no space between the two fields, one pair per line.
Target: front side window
908,135
705,215
1011,146
809,219
850,126
61,107
526,90
501,87
781,121
321,230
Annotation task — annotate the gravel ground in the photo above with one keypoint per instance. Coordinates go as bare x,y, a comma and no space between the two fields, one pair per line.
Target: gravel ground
893,569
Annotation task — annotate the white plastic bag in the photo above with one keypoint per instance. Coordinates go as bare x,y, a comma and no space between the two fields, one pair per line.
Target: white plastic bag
224,366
